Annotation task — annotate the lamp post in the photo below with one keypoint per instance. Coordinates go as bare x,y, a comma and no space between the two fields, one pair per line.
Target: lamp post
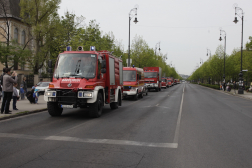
135,21
209,52
201,61
224,52
240,90
156,47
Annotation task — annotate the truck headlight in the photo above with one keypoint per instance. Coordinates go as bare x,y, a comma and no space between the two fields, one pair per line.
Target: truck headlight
50,93
83,94
88,94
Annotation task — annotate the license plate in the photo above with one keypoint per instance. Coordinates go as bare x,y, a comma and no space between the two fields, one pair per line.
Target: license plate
66,106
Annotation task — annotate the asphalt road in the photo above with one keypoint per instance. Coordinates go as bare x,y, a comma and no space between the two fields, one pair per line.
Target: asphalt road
184,126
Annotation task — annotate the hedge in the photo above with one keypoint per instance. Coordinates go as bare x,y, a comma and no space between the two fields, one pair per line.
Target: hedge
211,86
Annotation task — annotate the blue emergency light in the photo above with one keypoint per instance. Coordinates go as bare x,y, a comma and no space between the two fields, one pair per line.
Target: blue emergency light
92,48
69,48
129,87
133,66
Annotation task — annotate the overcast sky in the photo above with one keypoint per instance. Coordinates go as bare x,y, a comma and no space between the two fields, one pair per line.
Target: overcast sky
184,28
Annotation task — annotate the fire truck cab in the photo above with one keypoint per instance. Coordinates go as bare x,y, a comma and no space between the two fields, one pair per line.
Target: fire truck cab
164,82
153,78
88,79
133,82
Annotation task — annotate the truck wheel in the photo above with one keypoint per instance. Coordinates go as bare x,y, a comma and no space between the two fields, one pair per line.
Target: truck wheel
157,89
114,105
136,96
141,95
95,109
53,109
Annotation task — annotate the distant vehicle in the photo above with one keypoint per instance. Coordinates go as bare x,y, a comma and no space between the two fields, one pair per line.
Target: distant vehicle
42,86
152,77
164,83
133,82
38,84
169,82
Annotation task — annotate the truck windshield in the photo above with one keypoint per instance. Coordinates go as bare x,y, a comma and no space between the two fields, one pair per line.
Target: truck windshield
129,75
163,80
150,74
76,65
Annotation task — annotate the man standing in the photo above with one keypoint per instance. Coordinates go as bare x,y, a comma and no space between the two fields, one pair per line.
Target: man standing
8,89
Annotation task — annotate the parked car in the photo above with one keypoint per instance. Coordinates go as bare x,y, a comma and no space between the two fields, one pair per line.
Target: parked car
42,86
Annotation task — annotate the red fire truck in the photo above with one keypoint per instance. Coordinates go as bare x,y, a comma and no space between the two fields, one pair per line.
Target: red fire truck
85,79
133,82
169,82
152,77
164,83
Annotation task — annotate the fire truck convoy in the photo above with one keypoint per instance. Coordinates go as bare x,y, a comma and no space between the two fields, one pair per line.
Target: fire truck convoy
152,77
85,79
133,82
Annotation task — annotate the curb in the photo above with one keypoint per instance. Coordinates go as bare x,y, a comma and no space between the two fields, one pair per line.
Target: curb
22,114
237,95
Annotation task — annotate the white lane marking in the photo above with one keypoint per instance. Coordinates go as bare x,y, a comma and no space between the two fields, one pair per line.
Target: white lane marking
86,140
179,119
157,104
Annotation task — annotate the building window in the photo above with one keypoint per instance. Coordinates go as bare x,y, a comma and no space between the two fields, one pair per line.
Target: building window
23,38
16,34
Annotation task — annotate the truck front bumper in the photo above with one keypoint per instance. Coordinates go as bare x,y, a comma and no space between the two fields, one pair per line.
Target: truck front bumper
129,93
151,85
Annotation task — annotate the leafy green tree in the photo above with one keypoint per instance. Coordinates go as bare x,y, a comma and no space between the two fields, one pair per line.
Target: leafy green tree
40,15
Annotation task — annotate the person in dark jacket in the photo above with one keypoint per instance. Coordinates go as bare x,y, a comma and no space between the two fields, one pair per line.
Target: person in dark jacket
29,95
8,89
1,80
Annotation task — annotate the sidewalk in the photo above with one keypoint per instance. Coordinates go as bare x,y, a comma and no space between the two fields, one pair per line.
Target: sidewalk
25,106
247,95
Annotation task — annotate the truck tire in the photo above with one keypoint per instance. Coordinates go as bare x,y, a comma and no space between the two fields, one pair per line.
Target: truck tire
157,89
114,105
95,109
53,109
141,95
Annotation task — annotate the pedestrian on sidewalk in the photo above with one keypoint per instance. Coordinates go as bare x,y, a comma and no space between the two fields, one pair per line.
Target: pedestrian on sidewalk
234,86
1,80
22,93
8,89
36,95
15,96
29,95
224,86
24,85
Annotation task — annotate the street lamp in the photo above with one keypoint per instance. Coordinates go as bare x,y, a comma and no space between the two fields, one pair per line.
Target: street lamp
135,21
209,52
224,51
240,90
201,61
156,47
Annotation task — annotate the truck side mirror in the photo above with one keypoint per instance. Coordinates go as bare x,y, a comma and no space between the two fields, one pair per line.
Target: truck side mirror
103,64
103,70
